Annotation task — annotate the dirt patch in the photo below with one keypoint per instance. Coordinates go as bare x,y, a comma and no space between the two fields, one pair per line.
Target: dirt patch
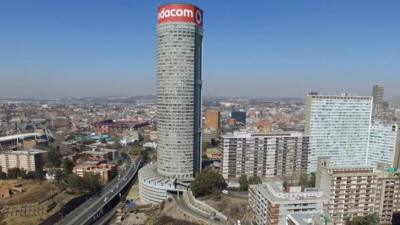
133,193
234,208
33,192
166,220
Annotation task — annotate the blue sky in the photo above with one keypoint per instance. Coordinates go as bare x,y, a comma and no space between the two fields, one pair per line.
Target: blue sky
59,48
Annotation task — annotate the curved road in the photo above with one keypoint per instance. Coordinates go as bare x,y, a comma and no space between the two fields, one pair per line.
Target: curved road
195,213
93,207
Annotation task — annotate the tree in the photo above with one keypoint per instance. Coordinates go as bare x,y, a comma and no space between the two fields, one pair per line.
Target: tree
59,175
68,166
54,157
3,175
371,219
304,180
14,173
312,180
92,182
135,149
145,155
208,182
286,185
35,175
75,182
255,180
244,183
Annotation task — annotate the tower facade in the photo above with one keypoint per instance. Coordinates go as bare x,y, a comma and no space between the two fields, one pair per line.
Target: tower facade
378,101
179,59
179,56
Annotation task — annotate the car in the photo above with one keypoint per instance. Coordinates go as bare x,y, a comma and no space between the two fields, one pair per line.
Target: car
105,199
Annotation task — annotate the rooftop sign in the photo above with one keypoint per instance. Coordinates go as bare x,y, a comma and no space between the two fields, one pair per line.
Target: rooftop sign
180,13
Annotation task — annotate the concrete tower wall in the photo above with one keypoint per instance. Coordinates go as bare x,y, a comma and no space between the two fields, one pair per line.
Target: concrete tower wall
179,56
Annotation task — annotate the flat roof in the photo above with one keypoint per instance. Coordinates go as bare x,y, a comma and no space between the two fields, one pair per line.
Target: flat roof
273,191
24,152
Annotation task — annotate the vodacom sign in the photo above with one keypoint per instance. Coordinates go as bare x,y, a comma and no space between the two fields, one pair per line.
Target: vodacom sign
180,13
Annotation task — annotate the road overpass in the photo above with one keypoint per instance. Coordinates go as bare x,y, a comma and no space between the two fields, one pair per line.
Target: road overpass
94,208
15,137
12,142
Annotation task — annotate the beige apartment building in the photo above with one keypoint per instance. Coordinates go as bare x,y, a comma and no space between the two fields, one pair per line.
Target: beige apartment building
272,203
359,191
105,171
28,160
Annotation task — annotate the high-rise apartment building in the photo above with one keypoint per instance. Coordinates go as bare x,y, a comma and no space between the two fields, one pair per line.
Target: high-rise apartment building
179,59
271,203
377,94
387,203
264,155
212,120
378,101
338,127
384,144
341,127
239,116
359,191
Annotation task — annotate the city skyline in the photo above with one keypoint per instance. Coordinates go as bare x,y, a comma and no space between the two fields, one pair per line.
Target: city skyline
80,49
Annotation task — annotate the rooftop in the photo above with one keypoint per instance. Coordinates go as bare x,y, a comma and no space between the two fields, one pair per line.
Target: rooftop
274,192
24,152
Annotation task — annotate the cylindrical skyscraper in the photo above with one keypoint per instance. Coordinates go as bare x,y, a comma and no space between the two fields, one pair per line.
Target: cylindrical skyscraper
179,56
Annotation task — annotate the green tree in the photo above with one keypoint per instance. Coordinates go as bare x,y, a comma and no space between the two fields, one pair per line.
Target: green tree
92,182
145,155
255,180
74,183
54,157
35,175
59,175
304,182
371,219
286,185
244,183
68,166
208,182
312,180
89,183
3,175
14,173
135,149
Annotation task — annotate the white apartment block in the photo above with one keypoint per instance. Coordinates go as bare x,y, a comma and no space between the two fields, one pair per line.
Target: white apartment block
358,191
271,204
341,127
383,144
264,155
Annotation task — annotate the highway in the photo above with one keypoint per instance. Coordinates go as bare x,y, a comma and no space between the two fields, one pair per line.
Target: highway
92,209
